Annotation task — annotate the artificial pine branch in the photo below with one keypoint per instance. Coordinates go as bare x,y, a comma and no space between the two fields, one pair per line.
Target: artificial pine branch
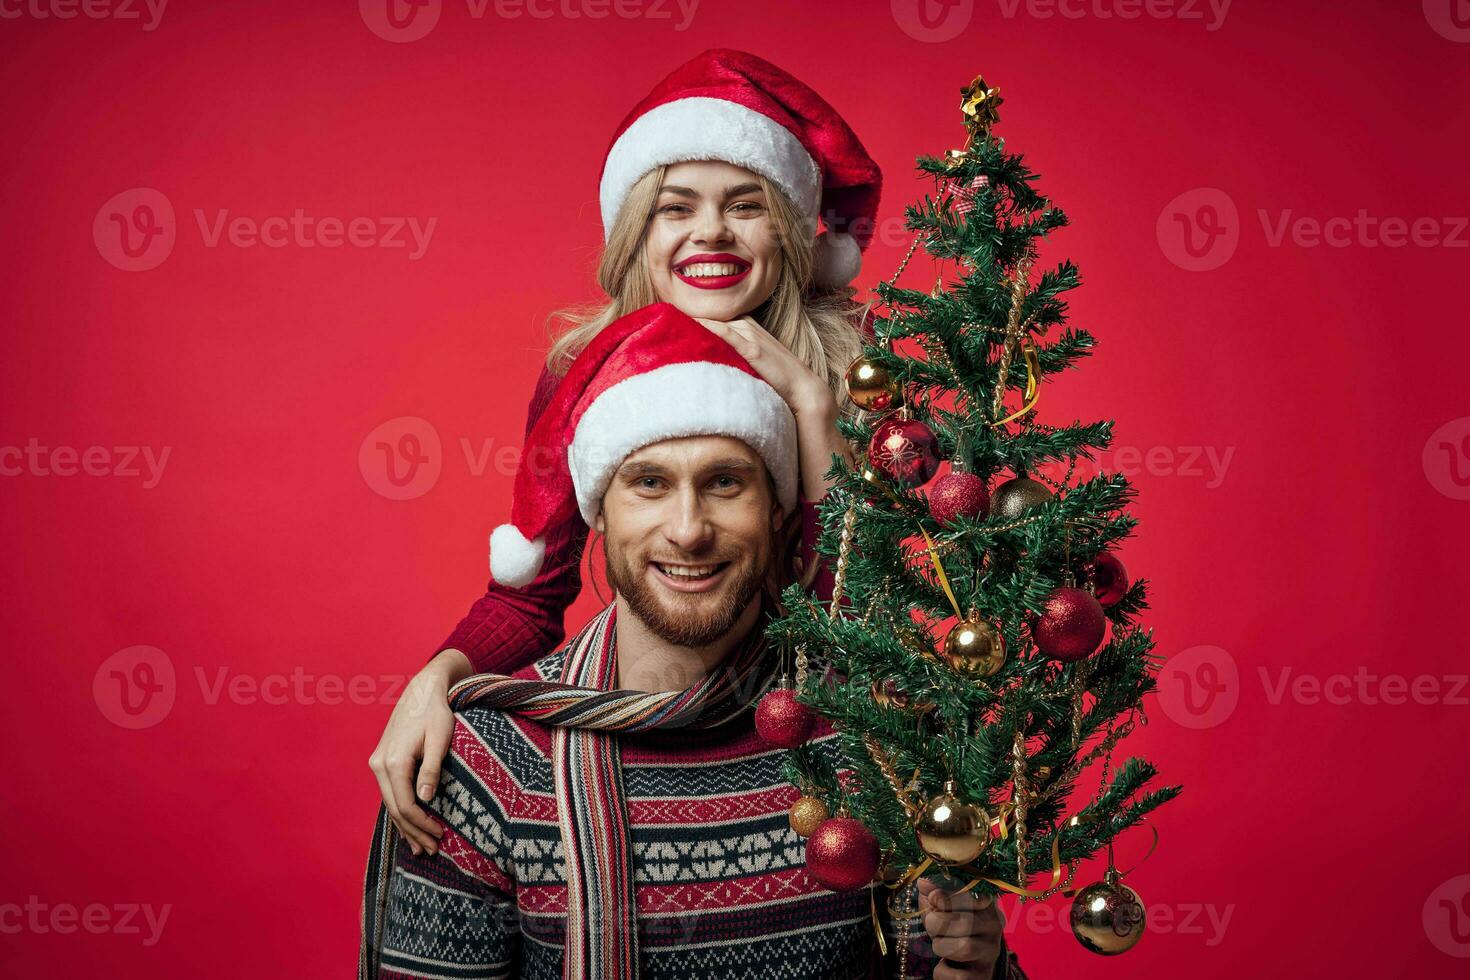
956,353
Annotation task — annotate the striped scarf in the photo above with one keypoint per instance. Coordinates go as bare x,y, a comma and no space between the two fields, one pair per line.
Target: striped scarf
586,715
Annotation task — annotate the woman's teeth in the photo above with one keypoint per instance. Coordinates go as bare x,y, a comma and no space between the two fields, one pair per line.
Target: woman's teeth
688,571
700,270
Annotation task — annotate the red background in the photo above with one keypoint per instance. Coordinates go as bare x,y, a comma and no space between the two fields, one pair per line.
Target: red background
1330,542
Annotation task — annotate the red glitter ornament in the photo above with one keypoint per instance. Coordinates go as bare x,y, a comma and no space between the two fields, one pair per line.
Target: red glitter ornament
905,450
1109,578
782,720
842,854
1071,625
958,494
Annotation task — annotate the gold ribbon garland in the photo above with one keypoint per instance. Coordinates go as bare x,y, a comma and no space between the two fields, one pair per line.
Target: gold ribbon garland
1033,389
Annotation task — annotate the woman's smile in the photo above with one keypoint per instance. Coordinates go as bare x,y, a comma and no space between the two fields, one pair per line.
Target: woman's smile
712,270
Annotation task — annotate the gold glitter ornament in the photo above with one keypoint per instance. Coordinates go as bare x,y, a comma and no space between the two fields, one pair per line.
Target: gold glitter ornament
806,814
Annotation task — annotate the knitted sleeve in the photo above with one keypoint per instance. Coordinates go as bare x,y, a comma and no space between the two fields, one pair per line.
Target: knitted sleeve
454,915
508,628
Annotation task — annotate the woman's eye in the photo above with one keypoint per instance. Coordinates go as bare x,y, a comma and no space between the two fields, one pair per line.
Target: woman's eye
750,207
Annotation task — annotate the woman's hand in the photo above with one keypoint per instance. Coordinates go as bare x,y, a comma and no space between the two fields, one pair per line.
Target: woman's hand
418,731
797,385
965,929
807,395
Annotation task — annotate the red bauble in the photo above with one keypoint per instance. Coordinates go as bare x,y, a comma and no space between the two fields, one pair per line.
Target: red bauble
958,494
904,450
842,854
1071,625
1109,578
782,720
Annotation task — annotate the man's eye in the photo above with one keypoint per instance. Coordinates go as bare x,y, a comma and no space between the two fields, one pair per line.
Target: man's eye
649,483
726,483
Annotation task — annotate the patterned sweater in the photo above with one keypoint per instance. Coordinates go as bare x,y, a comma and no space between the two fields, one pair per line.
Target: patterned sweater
720,878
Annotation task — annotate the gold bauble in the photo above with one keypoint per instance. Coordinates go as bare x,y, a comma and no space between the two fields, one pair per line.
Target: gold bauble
975,648
806,814
872,386
1108,917
1016,498
950,831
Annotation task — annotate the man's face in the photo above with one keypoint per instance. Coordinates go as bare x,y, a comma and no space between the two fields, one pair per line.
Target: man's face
690,529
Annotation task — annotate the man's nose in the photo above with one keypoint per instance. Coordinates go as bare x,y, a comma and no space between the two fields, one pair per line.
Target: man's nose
689,527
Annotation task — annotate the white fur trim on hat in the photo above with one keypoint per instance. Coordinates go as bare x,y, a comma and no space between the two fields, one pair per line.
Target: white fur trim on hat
514,561
702,128
694,398
837,259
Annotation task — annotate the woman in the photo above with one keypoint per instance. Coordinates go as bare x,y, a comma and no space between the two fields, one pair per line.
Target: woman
710,195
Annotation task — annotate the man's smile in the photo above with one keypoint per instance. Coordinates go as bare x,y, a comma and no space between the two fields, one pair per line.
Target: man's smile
683,577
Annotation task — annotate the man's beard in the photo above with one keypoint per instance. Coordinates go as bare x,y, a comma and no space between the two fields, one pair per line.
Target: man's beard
682,625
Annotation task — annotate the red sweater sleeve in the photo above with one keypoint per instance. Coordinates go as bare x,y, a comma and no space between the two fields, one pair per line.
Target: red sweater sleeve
508,628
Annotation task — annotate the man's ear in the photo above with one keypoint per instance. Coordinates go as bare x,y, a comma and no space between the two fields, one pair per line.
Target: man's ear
599,525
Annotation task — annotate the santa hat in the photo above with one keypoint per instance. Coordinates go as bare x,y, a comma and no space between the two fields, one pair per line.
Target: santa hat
732,106
651,375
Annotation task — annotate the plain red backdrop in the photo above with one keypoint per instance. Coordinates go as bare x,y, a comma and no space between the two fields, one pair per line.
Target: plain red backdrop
1327,539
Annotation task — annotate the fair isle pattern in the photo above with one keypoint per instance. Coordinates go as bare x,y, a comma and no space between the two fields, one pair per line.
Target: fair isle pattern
585,712
717,877
720,881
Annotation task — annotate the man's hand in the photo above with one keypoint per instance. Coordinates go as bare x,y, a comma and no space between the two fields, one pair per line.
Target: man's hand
965,929
418,730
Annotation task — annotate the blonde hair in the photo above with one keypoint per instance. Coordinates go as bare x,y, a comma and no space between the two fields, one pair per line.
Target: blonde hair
819,326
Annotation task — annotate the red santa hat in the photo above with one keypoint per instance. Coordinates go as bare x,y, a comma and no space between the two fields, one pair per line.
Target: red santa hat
651,375
732,106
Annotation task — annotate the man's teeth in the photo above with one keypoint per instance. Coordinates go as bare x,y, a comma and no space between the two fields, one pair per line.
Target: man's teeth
702,269
688,571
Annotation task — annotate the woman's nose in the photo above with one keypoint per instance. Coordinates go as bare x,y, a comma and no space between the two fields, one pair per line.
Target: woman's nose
712,227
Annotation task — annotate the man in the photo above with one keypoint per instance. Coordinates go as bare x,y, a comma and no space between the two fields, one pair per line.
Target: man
610,811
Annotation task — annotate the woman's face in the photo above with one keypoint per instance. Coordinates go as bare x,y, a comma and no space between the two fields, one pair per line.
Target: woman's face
712,246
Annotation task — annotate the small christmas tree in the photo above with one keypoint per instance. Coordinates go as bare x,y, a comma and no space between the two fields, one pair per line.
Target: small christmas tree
982,649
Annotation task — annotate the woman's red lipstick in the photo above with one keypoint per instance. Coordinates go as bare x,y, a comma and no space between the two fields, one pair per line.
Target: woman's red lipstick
712,282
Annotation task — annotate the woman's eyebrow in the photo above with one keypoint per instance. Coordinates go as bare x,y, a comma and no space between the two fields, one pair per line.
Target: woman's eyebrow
730,191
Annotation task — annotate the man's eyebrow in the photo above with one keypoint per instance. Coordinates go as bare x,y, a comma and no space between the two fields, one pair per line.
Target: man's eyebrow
640,467
735,463
730,191
647,467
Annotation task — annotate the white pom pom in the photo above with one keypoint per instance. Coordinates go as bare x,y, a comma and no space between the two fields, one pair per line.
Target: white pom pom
514,561
837,260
